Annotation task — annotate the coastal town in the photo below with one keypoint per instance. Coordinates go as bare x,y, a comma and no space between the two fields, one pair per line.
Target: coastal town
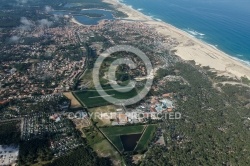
49,69
53,113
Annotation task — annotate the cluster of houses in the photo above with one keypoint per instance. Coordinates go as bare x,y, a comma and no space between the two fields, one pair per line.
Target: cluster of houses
62,145
8,154
153,109
55,124
58,70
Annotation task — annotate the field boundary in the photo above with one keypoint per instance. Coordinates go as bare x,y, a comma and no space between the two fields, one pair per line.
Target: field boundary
83,105
141,136
149,138
115,134
109,140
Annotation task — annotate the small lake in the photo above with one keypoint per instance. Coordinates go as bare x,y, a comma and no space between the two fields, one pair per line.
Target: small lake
88,16
130,141
107,15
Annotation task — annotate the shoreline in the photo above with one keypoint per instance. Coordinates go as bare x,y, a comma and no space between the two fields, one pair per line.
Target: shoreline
96,9
190,47
76,22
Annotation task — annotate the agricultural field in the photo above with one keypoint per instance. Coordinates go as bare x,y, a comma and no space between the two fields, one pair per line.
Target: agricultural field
127,138
146,137
91,98
123,130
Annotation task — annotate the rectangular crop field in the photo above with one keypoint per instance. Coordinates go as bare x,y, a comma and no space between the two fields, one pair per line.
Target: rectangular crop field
91,98
123,130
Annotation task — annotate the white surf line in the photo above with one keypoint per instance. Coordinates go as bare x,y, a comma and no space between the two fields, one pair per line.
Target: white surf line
100,96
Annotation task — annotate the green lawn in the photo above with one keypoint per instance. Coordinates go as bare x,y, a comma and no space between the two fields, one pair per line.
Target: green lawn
91,98
85,98
146,137
113,134
115,139
123,130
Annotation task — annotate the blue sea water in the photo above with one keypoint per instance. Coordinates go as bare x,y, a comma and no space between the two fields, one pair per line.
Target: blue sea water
222,23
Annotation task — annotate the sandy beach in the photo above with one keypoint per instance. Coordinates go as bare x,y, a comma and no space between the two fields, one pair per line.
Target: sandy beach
76,22
190,48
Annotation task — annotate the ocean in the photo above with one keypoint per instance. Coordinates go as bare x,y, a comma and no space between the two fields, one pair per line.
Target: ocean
225,24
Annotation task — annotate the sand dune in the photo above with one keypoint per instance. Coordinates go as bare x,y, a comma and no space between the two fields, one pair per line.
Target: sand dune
190,48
